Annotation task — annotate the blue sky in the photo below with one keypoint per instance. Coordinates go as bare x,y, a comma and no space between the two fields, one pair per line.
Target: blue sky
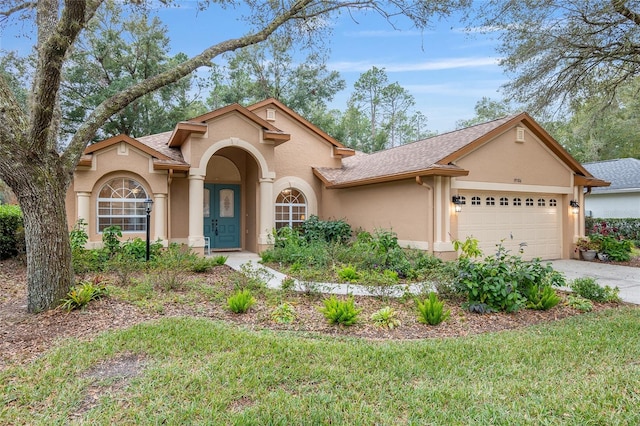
444,68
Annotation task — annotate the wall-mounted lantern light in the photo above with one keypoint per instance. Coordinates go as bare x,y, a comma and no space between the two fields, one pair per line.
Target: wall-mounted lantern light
457,201
575,207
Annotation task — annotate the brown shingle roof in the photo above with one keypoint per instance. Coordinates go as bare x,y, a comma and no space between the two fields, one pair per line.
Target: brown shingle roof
159,141
423,156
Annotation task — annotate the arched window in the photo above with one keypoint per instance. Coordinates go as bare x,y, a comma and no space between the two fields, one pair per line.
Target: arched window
553,202
541,202
529,202
291,208
504,201
490,201
517,202
121,203
475,201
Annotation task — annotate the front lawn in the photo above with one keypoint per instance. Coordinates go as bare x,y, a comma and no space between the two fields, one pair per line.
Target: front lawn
582,370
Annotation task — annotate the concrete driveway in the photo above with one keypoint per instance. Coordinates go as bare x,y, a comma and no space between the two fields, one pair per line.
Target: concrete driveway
626,278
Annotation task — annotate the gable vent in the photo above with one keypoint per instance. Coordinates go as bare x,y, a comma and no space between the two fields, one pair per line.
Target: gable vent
519,134
271,114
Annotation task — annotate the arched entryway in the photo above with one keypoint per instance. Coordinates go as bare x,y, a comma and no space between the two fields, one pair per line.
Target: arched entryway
234,187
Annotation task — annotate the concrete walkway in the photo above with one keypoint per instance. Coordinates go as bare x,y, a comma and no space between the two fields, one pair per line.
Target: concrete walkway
626,278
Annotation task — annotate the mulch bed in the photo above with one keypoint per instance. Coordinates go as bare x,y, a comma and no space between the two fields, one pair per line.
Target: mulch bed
24,336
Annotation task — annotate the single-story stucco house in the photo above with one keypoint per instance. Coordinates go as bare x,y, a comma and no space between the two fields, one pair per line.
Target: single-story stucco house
622,198
227,178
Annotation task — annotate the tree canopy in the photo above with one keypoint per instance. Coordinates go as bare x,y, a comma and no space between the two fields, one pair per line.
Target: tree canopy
564,51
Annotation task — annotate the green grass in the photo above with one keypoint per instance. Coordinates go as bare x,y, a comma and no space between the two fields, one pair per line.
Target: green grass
582,370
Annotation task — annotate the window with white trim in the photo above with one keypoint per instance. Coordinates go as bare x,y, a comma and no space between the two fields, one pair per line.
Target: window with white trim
291,208
121,203
529,202
517,202
475,201
490,201
504,201
541,202
553,202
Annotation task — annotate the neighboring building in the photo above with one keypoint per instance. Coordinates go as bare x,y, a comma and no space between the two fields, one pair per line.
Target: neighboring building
229,177
622,198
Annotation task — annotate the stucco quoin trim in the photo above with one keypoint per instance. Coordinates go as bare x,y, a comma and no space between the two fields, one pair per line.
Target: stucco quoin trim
302,186
265,172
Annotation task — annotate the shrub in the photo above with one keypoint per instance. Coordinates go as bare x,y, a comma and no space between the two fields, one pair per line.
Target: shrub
493,281
287,283
542,298
348,274
340,311
137,249
240,301
431,311
11,226
330,231
173,265
80,296
588,288
580,303
386,317
110,239
201,265
78,235
123,267
284,314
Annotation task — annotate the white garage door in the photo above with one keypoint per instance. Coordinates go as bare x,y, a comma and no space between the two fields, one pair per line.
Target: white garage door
527,219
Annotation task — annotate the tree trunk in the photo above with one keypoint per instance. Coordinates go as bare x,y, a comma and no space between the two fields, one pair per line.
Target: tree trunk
49,270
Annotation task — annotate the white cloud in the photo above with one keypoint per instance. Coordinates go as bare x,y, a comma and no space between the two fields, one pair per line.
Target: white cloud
437,65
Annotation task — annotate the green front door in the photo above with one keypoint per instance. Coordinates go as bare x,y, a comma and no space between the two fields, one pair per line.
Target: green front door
222,215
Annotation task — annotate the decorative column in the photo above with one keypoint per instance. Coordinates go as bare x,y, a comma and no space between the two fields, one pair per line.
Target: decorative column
160,216
266,223
196,220
84,205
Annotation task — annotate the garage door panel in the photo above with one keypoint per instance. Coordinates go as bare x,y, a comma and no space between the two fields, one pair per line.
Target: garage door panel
535,222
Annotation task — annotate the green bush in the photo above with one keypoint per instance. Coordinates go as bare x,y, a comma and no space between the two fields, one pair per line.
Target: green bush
11,231
330,231
240,301
580,303
137,249
338,311
111,239
542,298
626,228
431,311
80,296
493,281
348,274
283,314
78,235
172,266
386,317
588,288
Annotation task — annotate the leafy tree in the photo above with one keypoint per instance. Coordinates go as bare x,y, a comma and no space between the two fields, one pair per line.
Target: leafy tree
388,107
486,110
39,172
116,52
562,51
268,70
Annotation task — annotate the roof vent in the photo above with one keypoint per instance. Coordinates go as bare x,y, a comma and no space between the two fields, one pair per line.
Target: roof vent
271,114
519,134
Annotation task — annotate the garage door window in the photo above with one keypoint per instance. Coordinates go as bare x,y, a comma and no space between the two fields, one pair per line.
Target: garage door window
517,202
553,203
504,201
491,201
475,201
529,202
541,202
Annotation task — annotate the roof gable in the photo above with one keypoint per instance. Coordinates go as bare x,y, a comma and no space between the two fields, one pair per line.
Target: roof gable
339,148
154,145
195,125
